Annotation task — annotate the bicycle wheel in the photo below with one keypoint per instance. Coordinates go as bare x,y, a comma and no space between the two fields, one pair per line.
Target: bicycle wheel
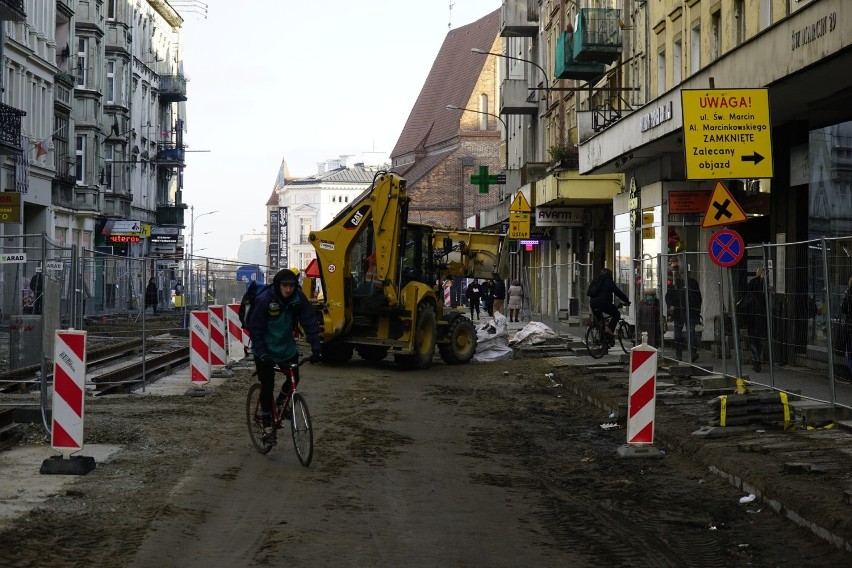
623,333
303,434
595,342
253,419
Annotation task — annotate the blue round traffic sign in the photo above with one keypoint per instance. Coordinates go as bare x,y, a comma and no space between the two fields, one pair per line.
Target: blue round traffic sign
726,248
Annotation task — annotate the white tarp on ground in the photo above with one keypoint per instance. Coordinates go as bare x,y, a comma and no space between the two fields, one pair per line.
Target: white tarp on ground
492,340
494,344
533,333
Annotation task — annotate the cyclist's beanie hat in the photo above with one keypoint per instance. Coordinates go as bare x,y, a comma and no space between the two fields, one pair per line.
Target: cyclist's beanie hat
285,276
606,273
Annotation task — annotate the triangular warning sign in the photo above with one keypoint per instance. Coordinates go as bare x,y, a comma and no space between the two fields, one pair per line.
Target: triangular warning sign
520,204
722,209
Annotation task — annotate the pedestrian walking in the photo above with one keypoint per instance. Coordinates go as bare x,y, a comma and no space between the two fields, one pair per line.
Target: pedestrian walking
516,300
485,294
685,314
473,297
37,287
753,308
151,293
498,293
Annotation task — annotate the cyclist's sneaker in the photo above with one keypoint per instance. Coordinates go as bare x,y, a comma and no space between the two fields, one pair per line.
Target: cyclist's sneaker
269,437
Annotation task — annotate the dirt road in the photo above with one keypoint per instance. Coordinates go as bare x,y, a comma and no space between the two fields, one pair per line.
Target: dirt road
474,465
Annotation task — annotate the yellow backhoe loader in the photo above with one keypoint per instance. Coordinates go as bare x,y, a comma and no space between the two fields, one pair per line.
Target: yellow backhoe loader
381,277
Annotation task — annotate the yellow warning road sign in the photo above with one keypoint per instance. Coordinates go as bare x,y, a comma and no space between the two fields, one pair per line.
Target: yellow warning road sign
520,204
519,225
723,208
726,133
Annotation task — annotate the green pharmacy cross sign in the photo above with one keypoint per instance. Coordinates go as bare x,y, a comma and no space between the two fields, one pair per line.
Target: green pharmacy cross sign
483,180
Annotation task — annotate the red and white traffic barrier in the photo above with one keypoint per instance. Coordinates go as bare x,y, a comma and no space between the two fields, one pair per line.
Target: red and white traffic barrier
447,287
199,346
69,388
641,404
236,350
218,354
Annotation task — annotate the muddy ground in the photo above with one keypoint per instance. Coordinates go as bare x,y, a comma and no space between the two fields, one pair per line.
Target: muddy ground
473,465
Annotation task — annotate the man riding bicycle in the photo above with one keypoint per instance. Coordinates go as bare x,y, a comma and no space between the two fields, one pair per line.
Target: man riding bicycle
274,315
600,298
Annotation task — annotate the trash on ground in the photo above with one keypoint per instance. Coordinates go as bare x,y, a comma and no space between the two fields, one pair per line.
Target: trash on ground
533,333
748,498
611,426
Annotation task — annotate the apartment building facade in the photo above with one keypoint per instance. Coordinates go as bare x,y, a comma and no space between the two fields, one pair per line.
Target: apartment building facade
100,93
608,78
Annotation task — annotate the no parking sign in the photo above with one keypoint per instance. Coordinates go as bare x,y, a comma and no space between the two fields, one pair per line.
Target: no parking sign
726,248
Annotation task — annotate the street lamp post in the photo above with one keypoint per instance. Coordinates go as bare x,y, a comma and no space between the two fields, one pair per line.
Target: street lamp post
191,262
498,117
540,68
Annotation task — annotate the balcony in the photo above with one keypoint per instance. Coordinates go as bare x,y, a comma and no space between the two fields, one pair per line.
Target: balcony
519,18
117,205
10,130
566,65
170,215
598,36
170,154
515,98
86,198
172,88
12,10
64,86
62,196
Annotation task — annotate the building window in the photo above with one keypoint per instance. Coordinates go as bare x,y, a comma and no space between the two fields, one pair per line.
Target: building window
695,50
715,35
80,169
304,230
110,82
111,9
765,14
739,21
60,145
677,62
483,108
661,73
81,61
109,156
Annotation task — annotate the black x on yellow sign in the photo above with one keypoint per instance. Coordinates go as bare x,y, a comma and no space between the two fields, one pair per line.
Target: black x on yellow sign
723,209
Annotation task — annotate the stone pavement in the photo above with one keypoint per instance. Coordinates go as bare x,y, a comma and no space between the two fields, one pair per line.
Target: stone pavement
803,472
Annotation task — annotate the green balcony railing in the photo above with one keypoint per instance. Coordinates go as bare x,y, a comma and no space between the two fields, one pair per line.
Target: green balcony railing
598,37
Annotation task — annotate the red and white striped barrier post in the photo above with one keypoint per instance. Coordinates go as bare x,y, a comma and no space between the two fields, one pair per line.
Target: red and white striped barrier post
448,284
235,332
199,346
218,354
641,402
69,389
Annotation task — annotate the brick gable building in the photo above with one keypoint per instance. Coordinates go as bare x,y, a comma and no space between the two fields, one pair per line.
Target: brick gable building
439,148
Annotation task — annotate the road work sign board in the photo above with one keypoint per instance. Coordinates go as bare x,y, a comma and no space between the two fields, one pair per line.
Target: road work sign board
726,133
723,209
519,225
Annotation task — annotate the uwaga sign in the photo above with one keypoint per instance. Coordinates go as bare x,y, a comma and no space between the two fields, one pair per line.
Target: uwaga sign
726,133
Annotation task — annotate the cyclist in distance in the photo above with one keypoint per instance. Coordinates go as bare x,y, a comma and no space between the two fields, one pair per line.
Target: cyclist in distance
272,319
600,297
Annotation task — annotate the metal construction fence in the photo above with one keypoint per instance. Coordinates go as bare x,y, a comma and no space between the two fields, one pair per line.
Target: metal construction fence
45,286
778,331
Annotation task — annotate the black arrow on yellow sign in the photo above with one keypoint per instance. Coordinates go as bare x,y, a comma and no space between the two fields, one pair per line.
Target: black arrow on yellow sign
756,158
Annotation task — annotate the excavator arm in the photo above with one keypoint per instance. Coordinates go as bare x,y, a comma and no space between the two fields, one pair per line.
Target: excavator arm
383,206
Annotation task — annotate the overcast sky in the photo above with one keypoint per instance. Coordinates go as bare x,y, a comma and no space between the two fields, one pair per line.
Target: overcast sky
303,81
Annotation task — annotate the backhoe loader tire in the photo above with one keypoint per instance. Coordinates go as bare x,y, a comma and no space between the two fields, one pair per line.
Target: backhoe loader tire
461,346
337,353
425,336
372,352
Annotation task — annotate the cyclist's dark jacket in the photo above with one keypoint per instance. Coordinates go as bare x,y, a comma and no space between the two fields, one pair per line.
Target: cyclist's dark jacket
603,298
271,322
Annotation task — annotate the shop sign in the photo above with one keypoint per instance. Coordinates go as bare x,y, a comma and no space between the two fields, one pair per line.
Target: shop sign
562,217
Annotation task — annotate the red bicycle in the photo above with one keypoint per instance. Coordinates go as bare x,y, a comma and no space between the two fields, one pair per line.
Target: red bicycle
293,408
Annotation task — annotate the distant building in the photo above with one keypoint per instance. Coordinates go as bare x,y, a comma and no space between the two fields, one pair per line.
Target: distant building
252,249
